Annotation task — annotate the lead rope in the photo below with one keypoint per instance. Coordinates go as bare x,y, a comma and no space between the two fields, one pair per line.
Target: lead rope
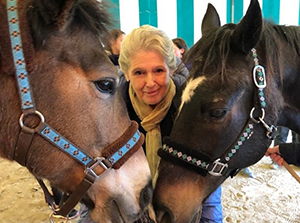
291,171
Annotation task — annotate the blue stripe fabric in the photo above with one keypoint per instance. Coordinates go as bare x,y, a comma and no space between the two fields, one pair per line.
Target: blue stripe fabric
238,11
114,6
270,10
186,23
18,55
229,17
148,12
185,20
299,15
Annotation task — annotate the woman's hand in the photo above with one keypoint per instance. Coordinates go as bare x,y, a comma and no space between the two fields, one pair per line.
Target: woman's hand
274,153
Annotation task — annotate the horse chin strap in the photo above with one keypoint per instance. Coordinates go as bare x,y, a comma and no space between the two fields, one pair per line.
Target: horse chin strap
95,168
220,167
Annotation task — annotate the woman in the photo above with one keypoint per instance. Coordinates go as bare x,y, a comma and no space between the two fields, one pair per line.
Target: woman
148,61
180,47
116,38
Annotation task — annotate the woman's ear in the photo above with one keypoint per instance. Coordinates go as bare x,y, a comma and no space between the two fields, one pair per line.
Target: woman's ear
182,51
127,77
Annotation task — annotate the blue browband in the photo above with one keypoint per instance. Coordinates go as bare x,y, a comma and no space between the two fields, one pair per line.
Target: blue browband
28,108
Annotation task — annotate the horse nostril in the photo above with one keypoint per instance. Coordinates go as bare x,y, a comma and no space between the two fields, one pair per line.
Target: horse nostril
163,214
166,218
146,196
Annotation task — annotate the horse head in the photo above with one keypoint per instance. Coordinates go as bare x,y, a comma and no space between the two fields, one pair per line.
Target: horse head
75,89
227,109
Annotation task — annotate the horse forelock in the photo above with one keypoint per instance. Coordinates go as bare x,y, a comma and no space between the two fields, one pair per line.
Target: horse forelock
211,52
52,17
189,90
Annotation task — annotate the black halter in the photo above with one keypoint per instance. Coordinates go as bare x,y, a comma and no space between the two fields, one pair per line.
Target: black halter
220,167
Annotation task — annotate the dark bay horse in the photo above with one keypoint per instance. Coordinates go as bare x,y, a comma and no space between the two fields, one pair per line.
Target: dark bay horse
55,72
244,81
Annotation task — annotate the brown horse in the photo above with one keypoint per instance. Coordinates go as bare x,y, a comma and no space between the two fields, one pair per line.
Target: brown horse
75,89
244,80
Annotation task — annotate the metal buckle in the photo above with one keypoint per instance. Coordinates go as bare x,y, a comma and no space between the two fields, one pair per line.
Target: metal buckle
26,128
219,167
99,161
262,115
271,130
60,218
262,69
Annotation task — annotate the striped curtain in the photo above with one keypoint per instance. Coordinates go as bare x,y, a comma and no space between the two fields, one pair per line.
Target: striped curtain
183,18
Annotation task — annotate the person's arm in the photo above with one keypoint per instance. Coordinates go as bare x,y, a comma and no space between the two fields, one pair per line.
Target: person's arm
273,152
290,152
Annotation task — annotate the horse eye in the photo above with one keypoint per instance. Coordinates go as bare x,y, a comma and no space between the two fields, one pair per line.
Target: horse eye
106,85
217,113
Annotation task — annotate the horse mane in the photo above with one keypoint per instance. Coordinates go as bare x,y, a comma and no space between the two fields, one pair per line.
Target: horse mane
215,47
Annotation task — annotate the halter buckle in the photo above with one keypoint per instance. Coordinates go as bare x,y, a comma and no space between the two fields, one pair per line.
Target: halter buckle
99,161
218,168
26,128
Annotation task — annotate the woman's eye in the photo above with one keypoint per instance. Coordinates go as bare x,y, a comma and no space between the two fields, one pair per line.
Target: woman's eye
217,113
159,70
138,72
107,85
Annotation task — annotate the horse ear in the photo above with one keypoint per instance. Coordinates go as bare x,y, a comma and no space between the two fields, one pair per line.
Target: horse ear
211,19
248,31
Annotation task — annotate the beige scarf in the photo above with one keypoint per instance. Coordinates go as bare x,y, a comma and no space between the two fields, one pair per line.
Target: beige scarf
150,121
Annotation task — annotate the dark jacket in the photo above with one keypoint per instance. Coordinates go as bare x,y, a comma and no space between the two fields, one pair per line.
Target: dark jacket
114,59
290,153
180,74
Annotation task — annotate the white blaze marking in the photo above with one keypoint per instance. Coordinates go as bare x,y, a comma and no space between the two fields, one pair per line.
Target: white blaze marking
189,90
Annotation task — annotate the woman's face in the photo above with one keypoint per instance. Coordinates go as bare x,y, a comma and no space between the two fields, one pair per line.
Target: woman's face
116,44
149,76
178,52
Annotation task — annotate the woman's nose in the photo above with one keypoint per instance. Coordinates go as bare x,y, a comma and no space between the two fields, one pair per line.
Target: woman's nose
150,80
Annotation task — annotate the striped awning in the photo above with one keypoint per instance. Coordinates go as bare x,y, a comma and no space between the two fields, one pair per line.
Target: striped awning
182,18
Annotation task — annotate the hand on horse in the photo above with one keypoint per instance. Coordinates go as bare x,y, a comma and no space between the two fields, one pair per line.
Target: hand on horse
274,153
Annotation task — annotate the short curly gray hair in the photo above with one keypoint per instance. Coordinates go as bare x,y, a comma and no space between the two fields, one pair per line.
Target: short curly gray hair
146,38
